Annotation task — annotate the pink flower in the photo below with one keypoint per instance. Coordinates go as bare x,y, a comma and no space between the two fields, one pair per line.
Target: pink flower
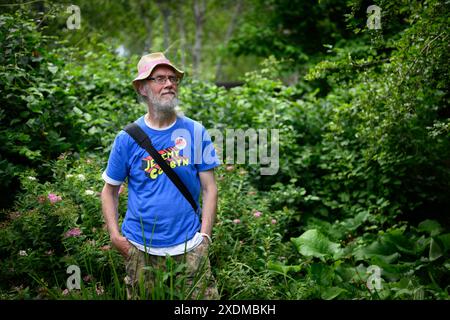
87,278
236,221
53,198
257,214
274,221
229,167
75,232
65,292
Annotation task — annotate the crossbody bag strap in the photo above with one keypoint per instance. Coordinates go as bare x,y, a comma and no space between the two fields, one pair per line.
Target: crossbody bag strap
143,140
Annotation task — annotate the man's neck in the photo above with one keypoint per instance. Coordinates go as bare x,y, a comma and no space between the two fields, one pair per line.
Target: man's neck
159,121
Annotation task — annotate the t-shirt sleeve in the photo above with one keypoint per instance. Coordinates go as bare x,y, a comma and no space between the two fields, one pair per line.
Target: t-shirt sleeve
118,167
209,156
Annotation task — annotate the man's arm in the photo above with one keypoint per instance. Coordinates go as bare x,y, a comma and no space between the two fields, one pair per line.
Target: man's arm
209,196
110,205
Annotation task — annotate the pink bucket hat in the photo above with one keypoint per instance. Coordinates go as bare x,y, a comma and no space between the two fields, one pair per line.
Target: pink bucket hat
149,62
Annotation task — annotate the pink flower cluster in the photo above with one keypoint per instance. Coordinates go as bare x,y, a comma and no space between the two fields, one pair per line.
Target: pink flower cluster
75,232
257,214
53,198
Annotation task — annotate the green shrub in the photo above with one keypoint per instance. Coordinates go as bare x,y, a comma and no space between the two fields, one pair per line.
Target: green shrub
55,225
53,103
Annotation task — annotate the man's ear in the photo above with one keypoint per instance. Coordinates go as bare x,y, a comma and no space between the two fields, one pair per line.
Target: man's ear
141,88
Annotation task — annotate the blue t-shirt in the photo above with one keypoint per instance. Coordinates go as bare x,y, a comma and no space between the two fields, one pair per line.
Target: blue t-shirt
158,214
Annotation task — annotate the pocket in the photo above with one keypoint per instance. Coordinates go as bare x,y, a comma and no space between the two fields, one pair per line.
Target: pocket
130,252
202,248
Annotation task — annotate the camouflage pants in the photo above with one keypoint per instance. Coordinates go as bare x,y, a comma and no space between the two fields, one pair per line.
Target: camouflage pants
185,276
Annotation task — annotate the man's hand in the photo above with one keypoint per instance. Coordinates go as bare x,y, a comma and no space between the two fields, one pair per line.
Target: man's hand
121,244
110,203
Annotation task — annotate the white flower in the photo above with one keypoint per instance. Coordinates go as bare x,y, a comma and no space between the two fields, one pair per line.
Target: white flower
31,178
99,289
89,192
23,253
69,175
81,177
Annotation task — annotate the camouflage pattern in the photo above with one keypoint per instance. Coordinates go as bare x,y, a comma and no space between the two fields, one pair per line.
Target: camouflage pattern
185,276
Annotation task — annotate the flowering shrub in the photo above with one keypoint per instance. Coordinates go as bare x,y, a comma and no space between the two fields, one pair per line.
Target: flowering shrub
53,198
55,225
363,180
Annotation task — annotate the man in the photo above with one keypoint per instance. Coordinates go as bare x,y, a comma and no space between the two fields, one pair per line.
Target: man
160,224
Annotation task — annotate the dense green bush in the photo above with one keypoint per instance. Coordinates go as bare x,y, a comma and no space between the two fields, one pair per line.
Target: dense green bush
377,142
56,100
363,177
54,225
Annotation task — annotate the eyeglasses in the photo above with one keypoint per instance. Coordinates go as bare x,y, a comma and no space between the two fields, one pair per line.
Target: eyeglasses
163,79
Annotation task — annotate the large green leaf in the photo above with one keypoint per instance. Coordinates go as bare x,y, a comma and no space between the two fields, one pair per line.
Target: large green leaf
312,243
435,250
331,293
439,246
322,274
279,267
431,226
388,247
445,240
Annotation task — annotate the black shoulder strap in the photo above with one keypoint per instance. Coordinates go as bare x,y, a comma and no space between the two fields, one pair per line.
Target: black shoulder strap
143,140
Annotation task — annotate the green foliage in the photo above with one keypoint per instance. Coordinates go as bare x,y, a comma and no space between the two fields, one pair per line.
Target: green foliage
284,28
54,225
314,244
362,183
247,245
54,104
369,153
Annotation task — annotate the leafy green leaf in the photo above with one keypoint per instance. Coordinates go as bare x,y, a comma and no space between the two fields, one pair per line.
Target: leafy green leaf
314,244
279,267
435,250
431,226
331,293
52,68
445,239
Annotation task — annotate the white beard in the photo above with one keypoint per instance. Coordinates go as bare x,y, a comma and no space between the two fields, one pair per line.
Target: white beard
162,109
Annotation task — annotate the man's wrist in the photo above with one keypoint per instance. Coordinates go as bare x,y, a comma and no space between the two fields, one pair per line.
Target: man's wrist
207,236
115,236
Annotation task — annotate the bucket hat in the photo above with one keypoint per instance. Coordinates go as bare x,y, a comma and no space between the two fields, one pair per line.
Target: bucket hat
148,62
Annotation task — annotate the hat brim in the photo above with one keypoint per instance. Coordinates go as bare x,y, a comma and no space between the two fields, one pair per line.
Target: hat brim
148,72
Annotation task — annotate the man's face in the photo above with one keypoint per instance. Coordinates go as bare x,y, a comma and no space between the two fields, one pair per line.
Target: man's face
161,95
